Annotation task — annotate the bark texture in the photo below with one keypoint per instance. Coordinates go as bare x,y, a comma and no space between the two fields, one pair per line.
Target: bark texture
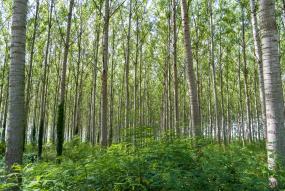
272,83
16,122
104,103
258,58
196,119
60,119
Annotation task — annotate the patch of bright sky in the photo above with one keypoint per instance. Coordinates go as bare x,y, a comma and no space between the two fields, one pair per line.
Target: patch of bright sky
149,2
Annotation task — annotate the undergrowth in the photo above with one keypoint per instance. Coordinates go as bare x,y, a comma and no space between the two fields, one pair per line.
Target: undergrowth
176,165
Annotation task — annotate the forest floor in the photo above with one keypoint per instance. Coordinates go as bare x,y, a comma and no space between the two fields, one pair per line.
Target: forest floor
157,165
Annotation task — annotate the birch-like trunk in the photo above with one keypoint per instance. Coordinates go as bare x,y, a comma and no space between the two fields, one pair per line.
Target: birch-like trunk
214,83
258,58
245,75
272,85
16,122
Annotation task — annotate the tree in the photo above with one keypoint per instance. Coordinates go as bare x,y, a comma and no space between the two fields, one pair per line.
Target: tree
196,120
29,80
214,84
272,85
258,58
245,74
15,130
127,107
104,91
61,118
44,85
175,78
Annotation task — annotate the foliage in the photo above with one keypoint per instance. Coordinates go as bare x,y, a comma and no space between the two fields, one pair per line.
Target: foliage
164,165
2,149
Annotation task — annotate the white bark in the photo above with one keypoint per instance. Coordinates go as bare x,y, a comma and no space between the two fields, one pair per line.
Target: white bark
258,58
272,83
16,122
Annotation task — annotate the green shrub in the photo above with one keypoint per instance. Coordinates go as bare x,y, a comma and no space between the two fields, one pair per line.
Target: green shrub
164,165
2,149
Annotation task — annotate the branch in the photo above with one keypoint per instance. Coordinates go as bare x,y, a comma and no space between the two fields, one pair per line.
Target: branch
98,8
117,8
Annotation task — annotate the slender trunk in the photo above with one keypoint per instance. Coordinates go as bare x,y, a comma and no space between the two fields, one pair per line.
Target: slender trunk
77,85
216,102
56,99
43,90
136,71
127,108
229,125
212,131
245,74
61,106
5,96
196,120
111,130
169,96
104,93
94,86
222,93
30,71
241,125
5,111
140,86
175,78
258,58
199,89
257,126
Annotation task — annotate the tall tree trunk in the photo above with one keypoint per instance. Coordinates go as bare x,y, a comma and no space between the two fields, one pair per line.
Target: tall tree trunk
199,86
104,93
111,130
61,106
15,130
140,85
94,85
212,131
175,78
5,111
196,120
222,91
216,102
258,58
245,74
56,98
30,71
127,108
229,125
136,72
4,98
241,124
257,124
77,82
272,85
44,85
